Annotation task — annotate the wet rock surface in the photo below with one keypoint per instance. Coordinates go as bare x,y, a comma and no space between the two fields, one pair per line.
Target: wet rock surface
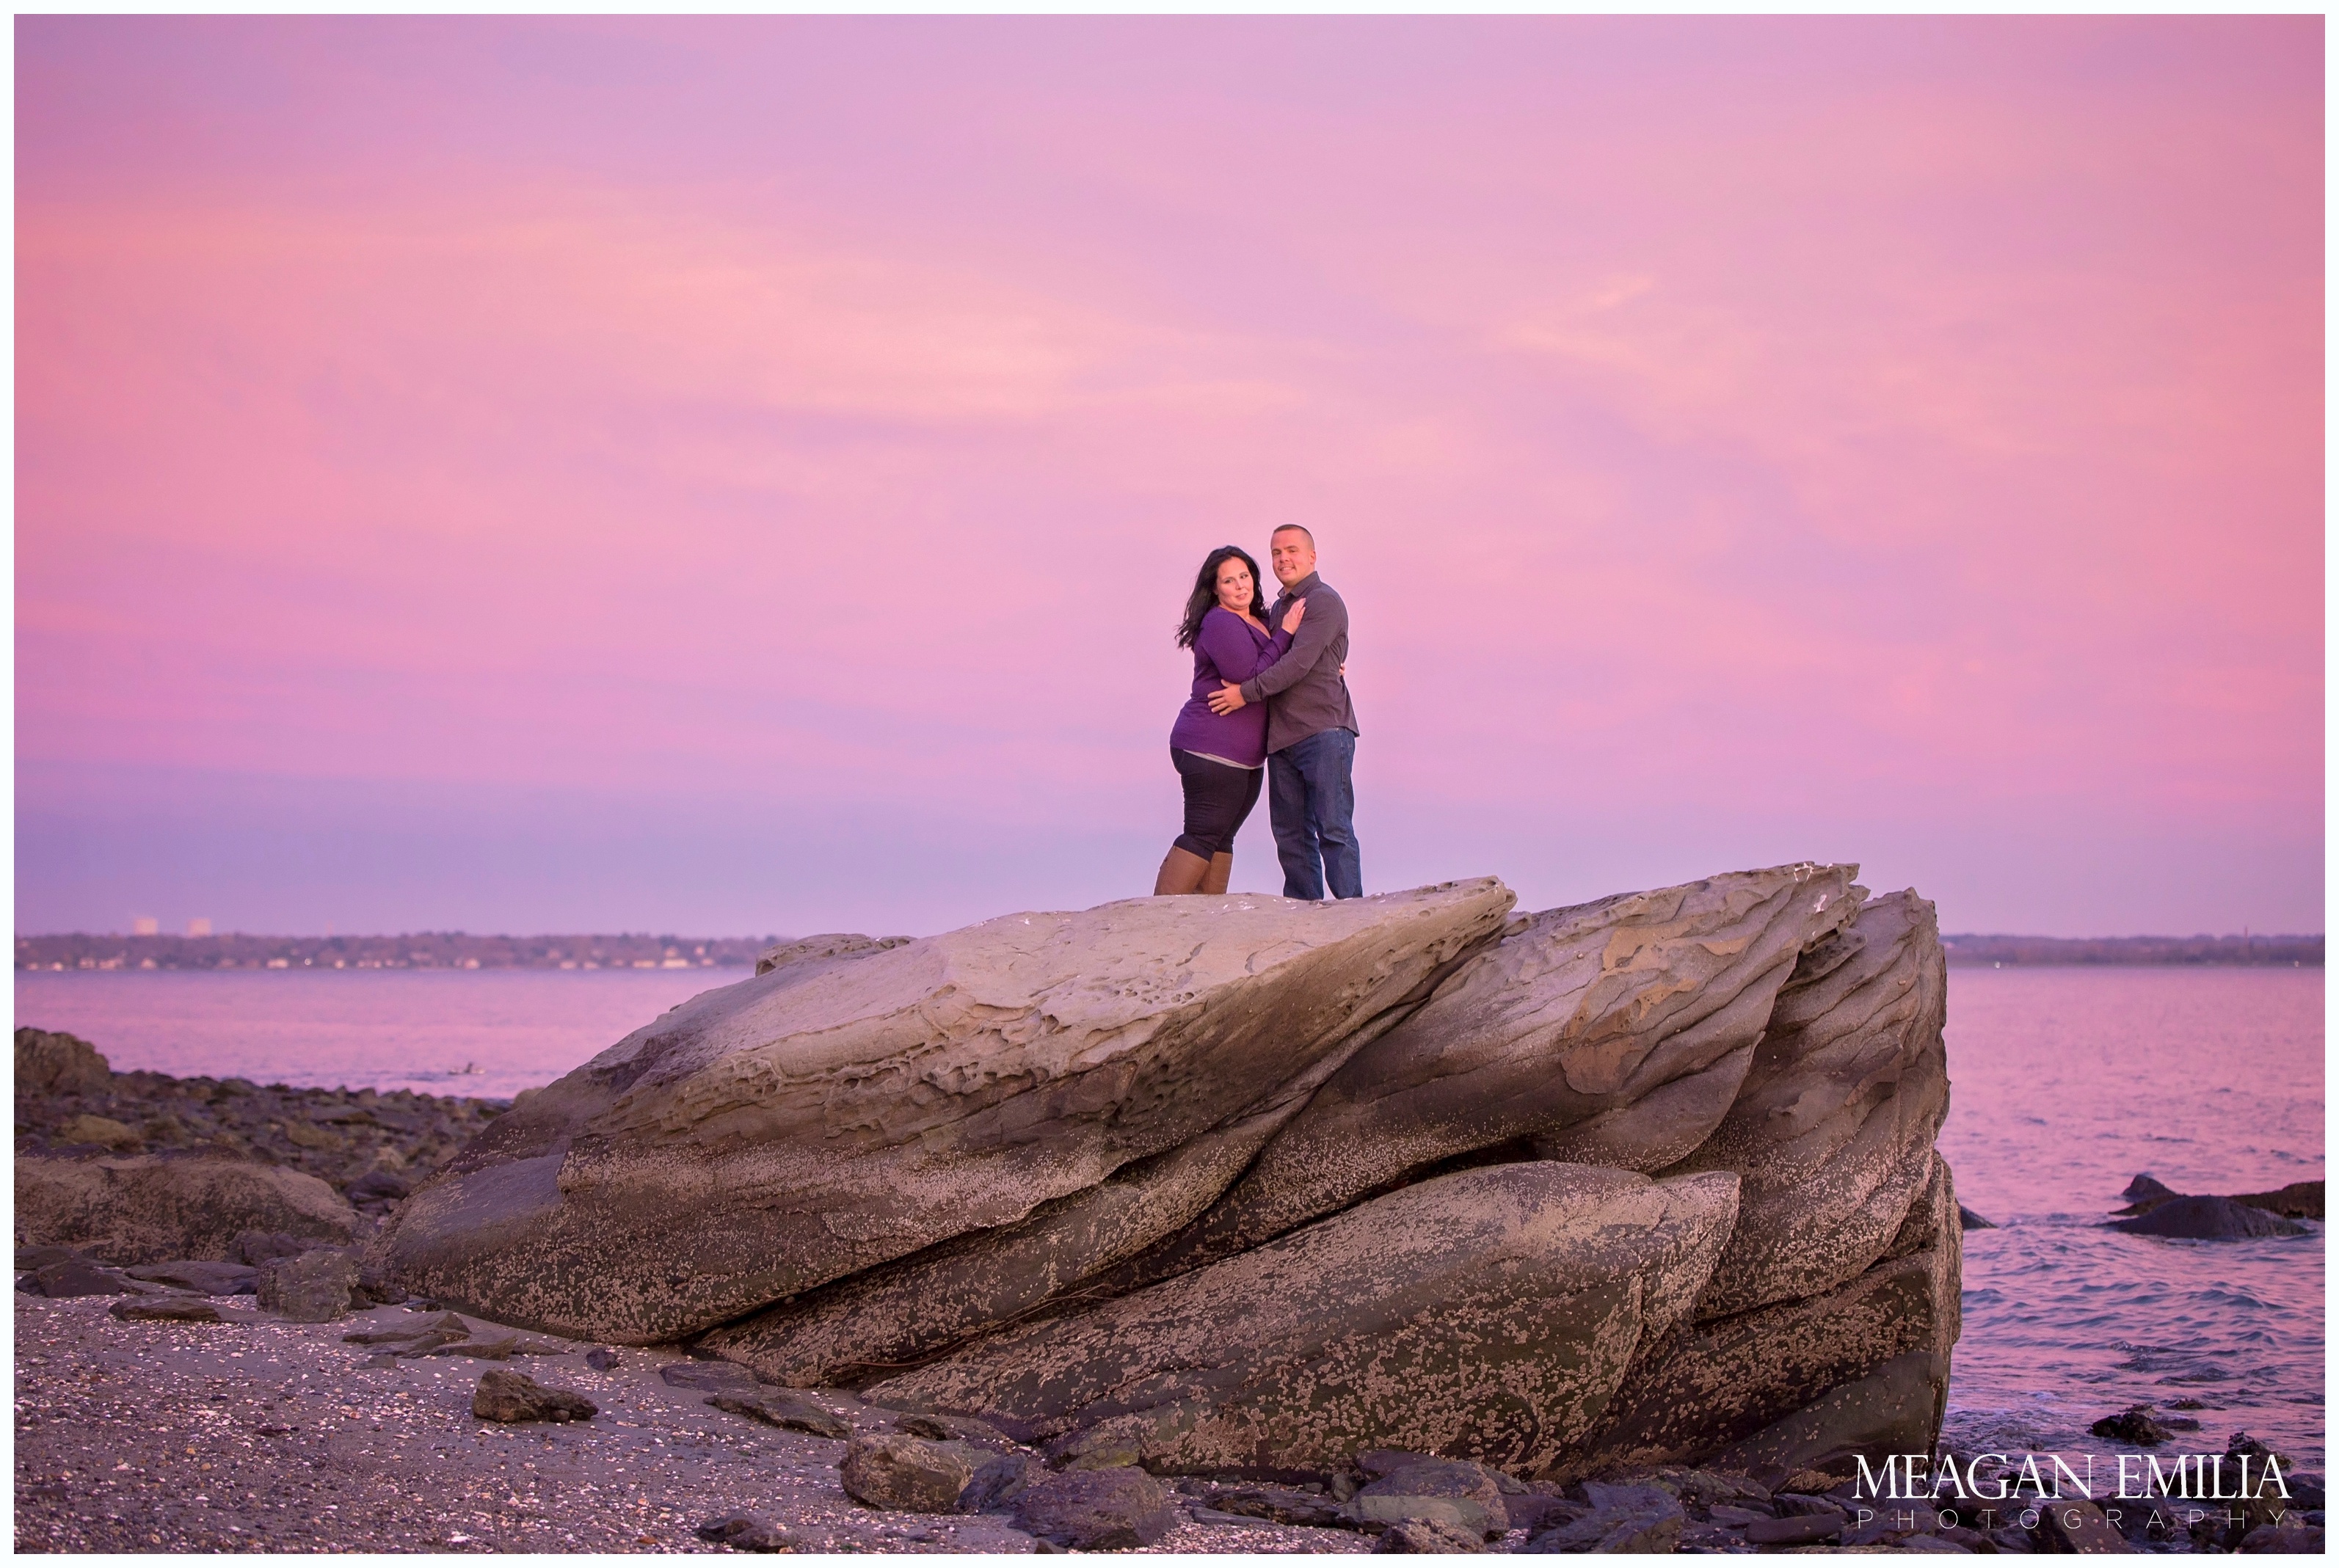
2207,1219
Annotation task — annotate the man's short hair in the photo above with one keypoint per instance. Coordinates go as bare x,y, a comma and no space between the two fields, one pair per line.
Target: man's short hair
1291,528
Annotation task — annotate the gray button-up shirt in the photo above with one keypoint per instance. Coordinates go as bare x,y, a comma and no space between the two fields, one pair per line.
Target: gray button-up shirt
1304,690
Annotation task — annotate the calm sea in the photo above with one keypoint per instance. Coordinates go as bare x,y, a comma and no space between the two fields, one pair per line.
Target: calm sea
2066,1082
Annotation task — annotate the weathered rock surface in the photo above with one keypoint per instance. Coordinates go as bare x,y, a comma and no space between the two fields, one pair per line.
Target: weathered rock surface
847,1111
515,1397
1832,1133
898,1471
1487,1315
167,1309
193,1274
778,1408
1096,1510
1428,1535
1612,1033
154,1209
313,1287
52,1064
1459,1495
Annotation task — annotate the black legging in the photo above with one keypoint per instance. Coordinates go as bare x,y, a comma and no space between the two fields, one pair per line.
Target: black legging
1219,795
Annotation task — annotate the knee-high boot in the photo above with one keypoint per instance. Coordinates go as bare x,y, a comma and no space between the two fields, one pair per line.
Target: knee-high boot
1181,871
1221,871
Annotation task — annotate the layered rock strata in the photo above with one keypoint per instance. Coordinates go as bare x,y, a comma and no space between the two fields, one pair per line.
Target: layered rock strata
1238,1183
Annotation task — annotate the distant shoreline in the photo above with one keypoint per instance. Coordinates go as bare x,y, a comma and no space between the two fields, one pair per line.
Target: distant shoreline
458,950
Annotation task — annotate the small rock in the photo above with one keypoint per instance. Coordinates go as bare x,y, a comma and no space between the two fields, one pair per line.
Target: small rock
1617,1528
375,1363
601,1358
1279,1504
1095,1510
1969,1221
254,1248
515,1397
2286,1538
1934,1543
2144,1190
778,1407
907,1473
167,1310
1729,1513
312,1287
1450,1492
77,1275
2134,1424
1428,1535
1537,1512
955,1429
747,1533
478,1349
1795,1530
1793,1502
100,1130
998,1481
379,1186
194,1274
709,1377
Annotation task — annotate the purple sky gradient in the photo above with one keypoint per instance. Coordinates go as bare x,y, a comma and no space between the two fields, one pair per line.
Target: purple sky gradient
741,475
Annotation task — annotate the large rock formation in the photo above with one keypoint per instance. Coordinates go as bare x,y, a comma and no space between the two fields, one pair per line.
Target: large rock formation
150,1209
1237,1183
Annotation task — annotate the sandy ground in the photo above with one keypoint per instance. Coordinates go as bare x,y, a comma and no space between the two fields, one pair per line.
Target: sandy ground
260,1435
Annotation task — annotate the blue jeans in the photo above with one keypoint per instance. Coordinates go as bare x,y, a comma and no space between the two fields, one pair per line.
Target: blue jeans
1312,804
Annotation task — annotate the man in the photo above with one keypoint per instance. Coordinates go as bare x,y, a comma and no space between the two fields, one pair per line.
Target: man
1311,729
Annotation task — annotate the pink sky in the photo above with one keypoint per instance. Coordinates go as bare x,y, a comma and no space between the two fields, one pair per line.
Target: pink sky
741,475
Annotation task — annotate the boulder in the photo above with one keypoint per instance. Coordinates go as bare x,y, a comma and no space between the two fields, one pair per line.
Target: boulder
1276,1504
515,1397
894,1469
155,1209
1832,1134
1712,1383
76,1275
1969,1221
2138,1423
168,1309
1096,1510
49,1063
2207,1219
847,1111
103,1131
313,1287
1614,1033
1487,1315
601,1358
2298,1200
254,1248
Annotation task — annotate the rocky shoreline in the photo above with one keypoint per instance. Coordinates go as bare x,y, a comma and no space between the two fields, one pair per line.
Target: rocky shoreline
1205,1224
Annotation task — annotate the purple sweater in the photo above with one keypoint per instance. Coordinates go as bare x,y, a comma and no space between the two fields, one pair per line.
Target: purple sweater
1228,650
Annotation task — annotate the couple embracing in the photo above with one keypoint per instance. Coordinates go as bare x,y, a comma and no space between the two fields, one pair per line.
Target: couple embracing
1270,698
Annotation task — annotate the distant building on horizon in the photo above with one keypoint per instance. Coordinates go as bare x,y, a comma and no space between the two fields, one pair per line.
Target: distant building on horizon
200,926
145,925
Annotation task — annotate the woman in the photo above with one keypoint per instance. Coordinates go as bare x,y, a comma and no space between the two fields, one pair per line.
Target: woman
1220,758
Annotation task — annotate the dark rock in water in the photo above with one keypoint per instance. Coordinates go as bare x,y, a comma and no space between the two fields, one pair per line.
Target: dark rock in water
170,1309
1459,1495
1427,1535
210,1279
2135,1424
601,1358
1096,1510
900,1472
778,1407
2207,1219
747,1533
2299,1201
50,1063
313,1287
1969,1221
2073,1525
2145,1189
77,1277
515,1397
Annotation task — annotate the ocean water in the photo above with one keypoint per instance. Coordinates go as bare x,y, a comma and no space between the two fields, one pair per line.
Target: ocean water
2066,1082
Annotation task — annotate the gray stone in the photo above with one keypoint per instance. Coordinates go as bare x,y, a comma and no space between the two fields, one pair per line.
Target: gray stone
1640,1524
254,1248
843,1112
1096,1510
601,1358
709,1377
748,1533
153,1208
195,1274
1969,1221
1614,1033
1277,1504
78,1277
1832,1133
1485,1315
895,1471
313,1287
1463,1496
2207,1219
1428,1535
998,1481
507,1397
50,1063
778,1407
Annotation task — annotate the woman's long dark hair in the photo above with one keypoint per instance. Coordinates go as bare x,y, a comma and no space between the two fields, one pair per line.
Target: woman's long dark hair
1205,596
